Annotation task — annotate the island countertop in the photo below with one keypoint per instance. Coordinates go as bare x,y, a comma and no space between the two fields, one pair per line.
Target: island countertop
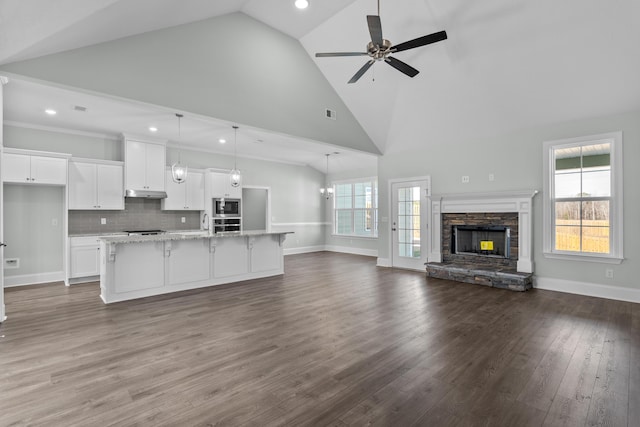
187,235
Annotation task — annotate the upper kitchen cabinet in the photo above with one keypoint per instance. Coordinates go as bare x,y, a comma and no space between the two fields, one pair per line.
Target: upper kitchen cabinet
188,195
221,186
34,167
96,185
144,165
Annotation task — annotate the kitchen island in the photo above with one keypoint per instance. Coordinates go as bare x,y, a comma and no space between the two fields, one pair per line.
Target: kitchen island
141,266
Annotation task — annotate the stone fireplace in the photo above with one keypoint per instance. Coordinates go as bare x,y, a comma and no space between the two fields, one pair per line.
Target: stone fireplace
482,238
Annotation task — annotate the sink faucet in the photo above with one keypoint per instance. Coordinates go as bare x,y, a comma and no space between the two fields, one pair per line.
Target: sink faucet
205,221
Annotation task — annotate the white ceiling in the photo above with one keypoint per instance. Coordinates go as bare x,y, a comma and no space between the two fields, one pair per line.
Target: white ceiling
507,65
25,102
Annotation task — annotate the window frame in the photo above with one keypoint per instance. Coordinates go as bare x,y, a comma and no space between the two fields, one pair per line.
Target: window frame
353,209
616,199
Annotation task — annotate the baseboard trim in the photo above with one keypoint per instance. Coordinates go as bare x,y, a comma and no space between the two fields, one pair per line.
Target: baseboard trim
588,289
303,250
349,250
383,262
33,279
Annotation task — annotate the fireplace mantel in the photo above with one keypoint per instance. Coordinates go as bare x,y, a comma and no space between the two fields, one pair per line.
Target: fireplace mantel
517,201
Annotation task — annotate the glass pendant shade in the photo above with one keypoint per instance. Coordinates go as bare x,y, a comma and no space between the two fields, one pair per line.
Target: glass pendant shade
178,170
235,177
327,192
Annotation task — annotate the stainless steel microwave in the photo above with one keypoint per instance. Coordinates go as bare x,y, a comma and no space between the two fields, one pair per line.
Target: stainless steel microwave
226,208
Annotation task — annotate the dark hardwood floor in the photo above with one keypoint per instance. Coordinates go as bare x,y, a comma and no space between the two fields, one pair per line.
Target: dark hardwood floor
335,341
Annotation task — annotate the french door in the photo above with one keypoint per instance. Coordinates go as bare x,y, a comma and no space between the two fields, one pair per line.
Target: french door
409,223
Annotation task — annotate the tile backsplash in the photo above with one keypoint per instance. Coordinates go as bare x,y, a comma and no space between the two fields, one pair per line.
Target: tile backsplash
138,214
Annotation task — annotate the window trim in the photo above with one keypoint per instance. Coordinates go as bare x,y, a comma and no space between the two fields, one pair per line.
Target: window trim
373,180
616,208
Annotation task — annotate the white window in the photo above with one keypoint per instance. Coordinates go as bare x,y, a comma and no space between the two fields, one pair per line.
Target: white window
355,208
583,203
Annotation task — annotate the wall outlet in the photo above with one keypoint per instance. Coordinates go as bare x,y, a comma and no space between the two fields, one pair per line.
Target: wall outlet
465,179
11,263
183,220
608,273
492,177
103,221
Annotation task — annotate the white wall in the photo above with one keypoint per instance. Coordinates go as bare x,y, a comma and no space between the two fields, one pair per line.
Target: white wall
516,162
33,230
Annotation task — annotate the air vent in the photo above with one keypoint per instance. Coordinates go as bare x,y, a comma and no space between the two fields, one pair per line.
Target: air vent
329,114
80,108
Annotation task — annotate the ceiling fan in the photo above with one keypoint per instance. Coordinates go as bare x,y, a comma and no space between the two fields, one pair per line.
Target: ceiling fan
380,49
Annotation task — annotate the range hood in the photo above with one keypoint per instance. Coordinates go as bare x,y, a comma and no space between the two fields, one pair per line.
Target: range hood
145,194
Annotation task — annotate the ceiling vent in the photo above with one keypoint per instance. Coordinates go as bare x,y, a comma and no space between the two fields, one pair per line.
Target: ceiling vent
80,108
329,114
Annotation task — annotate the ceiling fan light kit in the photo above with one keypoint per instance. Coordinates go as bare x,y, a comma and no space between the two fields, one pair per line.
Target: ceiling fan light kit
380,49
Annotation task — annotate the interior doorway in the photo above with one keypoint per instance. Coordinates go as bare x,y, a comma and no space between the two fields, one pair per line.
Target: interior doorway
256,208
409,228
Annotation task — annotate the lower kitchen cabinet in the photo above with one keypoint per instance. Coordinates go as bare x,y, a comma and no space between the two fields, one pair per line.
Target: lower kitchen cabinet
84,259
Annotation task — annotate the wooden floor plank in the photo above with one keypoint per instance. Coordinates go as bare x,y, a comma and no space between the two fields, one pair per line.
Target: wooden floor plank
336,341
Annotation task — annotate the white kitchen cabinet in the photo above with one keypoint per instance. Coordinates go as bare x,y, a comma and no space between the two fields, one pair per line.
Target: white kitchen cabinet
34,169
221,186
96,186
84,260
145,164
186,196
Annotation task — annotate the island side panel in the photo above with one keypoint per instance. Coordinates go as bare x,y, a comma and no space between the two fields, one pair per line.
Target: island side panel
187,261
266,254
231,257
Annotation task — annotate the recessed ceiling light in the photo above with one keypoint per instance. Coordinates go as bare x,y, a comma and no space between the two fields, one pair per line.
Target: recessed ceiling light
153,129
302,4
50,112
222,140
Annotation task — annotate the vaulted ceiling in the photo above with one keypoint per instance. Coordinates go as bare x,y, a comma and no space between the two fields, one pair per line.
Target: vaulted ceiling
507,65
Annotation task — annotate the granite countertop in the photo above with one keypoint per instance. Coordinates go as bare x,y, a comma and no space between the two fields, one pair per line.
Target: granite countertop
186,235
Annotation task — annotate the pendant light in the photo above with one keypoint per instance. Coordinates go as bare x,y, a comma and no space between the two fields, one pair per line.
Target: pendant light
235,176
327,191
178,170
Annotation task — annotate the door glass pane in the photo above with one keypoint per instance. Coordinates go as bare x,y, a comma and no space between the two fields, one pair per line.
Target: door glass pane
408,222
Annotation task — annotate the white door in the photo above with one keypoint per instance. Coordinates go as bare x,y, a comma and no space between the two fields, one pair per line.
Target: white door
156,164
409,223
195,191
109,187
136,165
82,185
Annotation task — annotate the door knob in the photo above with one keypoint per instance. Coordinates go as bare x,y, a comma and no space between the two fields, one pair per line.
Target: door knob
3,244
393,229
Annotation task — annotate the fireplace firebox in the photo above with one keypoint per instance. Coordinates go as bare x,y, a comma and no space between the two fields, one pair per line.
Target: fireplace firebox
486,241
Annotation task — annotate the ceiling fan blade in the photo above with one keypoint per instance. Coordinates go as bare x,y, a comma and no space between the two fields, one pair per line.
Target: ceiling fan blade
375,29
328,54
361,71
401,66
420,41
